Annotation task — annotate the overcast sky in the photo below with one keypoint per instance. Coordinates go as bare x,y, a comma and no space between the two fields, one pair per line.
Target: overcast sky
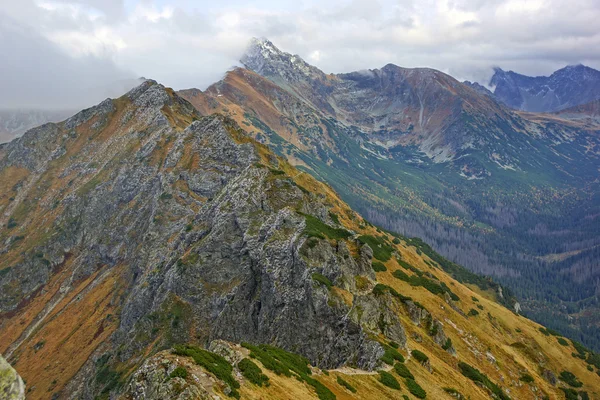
74,53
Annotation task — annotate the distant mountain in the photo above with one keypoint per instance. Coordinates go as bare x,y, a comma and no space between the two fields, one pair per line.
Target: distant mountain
14,123
422,154
480,88
567,87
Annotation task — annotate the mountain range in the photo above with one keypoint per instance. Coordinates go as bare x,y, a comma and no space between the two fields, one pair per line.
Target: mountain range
508,194
256,240
568,87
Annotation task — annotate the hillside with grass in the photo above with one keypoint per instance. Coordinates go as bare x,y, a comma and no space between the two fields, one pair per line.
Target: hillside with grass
152,252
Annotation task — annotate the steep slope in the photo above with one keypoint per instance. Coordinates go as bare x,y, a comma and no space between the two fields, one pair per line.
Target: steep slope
138,226
513,195
567,87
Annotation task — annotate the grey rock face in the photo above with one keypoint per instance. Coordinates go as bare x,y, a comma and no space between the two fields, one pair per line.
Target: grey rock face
210,239
11,384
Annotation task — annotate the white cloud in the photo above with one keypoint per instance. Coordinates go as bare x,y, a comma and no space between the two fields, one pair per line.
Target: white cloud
186,43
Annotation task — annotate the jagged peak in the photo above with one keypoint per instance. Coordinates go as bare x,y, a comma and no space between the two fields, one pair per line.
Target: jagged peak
264,58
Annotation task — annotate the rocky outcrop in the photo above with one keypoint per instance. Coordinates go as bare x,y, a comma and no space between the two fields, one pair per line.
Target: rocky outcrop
11,384
207,230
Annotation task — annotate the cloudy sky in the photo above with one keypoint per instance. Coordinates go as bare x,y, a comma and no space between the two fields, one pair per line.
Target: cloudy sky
73,53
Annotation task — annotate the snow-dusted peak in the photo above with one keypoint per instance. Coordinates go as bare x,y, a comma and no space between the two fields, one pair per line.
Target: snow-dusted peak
264,58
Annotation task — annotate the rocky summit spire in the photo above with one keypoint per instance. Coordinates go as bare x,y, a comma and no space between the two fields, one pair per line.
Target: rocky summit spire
264,58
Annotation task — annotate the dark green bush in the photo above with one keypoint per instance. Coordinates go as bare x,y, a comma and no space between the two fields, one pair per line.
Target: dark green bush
447,344
213,363
570,379
380,289
388,380
284,363
562,342
346,385
476,376
179,372
473,312
378,267
394,344
403,371
252,372
391,355
419,356
526,378
415,389
381,250
317,228
570,394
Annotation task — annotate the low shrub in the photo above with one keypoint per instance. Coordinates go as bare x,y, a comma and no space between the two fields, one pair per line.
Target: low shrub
415,389
477,376
526,378
391,355
179,372
403,371
252,372
473,312
213,363
388,380
419,356
285,363
570,379
381,250
378,267
346,385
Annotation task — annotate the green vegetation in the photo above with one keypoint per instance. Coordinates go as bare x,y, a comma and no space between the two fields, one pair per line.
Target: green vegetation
394,344
570,379
288,364
447,344
334,217
213,363
475,299
317,228
391,355
419,356
473,312
402,370
415,389
179,372
476,376
420,280
107,377
346,385
378,267
562,341
381,250
526,378
572,394
322,279
252,372
388,380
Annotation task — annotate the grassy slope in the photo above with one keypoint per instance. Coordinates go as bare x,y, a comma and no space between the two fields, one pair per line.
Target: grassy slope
84,325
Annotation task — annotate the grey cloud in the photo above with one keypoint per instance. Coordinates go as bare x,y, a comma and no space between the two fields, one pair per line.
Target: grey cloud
35,73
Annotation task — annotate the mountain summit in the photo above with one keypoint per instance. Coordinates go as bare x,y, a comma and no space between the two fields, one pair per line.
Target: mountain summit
567,87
